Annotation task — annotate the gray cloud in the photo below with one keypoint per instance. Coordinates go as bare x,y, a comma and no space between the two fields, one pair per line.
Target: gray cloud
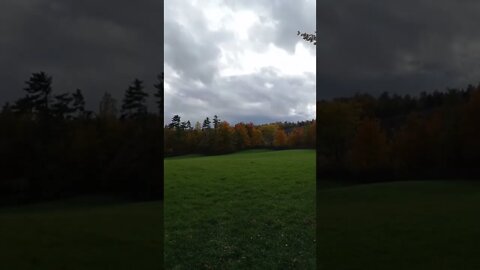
244,98
398,46
193,52
289,16
194,58
97,46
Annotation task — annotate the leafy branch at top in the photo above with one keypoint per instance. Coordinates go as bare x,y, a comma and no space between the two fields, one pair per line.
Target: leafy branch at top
308,37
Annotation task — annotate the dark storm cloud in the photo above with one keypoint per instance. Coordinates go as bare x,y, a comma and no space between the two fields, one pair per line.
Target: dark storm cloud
397,46
97,46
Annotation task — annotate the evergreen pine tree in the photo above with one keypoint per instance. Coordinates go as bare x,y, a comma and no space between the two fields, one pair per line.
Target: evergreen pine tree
216,121
61,108
206,123
79,103
134,101
175,122
37,100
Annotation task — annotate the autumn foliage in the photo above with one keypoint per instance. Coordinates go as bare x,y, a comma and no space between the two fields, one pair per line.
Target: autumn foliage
431,136
225,138
369,151
52,146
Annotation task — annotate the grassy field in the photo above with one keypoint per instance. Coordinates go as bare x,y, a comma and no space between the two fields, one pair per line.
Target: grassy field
81,234
250,210
400,225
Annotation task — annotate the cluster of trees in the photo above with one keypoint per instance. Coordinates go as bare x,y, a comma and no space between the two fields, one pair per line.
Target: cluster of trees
51,146
433,135
219,137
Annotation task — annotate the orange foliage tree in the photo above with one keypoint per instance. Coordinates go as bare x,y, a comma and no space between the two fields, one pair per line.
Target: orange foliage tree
296,138
223,142
255,134
242,140
369,147
280,139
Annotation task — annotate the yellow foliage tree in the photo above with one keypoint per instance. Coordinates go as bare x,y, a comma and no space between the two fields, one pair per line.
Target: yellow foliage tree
369,147
280,139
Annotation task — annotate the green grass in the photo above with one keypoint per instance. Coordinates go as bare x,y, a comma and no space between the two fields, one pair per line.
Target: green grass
78,234
250,210
399,225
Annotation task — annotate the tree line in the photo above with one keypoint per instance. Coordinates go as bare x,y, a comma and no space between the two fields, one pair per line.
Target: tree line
430,136
51,146
219,137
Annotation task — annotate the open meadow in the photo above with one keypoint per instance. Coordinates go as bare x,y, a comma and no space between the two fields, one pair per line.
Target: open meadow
248,210
82,234
399,225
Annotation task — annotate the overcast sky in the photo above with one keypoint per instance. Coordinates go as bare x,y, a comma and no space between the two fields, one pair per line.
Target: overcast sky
397,46
241,60
96,46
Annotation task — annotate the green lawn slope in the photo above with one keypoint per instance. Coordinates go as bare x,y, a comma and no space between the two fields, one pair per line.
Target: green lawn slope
399,225
249,210
81,235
